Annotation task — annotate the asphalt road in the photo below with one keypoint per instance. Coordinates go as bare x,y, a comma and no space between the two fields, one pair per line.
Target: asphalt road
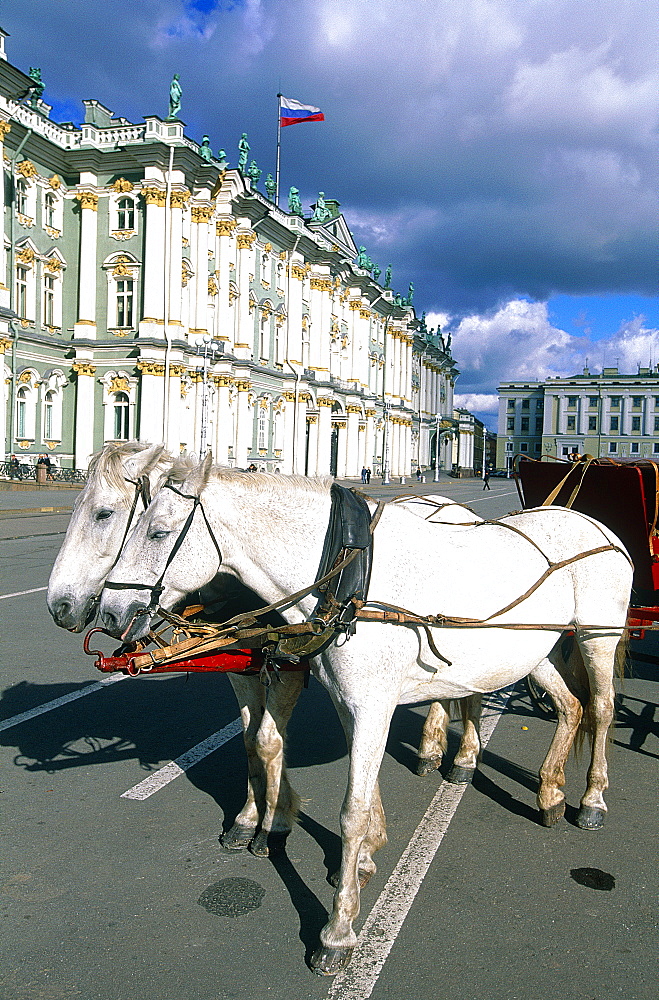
113,898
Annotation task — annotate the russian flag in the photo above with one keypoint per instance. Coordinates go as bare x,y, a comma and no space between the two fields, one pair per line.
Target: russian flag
291,112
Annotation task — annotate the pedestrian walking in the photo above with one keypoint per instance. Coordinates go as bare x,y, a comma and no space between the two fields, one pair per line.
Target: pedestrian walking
368,475
14,468
364,475
486,480
418,475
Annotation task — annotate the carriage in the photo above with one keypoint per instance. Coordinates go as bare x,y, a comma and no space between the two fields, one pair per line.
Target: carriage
622,495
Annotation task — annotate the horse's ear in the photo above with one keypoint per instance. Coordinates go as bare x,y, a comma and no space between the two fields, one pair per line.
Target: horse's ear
143,462
199,476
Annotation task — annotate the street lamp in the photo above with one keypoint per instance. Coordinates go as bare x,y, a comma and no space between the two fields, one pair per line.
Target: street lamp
385,463
206,349
436,477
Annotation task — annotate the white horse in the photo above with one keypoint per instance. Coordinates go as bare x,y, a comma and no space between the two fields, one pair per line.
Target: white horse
526,570
106,508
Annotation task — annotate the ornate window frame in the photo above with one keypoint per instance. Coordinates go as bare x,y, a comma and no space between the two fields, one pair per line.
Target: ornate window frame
52,384
118,383
27,385
121,267
123,199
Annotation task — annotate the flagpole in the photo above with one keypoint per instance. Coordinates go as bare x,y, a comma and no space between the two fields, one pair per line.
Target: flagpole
279,97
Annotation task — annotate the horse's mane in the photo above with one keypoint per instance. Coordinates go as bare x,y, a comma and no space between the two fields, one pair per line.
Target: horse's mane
269,482
108,464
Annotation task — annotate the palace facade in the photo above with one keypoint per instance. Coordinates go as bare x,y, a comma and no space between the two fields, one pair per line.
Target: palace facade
150,290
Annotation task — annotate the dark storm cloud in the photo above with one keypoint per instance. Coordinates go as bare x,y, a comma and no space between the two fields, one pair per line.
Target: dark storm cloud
491,150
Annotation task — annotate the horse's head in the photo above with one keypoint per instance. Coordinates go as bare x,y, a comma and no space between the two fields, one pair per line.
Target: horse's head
100,519
170,553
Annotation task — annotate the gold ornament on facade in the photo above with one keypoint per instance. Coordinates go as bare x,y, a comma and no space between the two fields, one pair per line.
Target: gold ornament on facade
122,186
53,265
5,128
325,401
26,168
176,371
53,233
223,381
242,385
264,403
341,424
202,213
150,368
245,241
178,199
55,182
312,418
298,272
121,267
25,220
282,255
267,248
224,227
355,306
370,413
5,344
119,384
88,199
321,284
364,314
84,368
186,273
154,196
212,286
25,378
289,396
353,408
25,256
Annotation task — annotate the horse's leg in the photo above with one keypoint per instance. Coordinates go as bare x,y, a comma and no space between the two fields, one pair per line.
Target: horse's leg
599,658
368,740
434,739
376,837
550,797
251,697
281,802
466,758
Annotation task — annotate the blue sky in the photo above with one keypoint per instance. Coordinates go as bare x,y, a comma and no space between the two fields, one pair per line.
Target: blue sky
500,154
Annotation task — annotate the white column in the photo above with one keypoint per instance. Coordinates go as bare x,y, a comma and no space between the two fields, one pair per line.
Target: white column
5,394
301,429
342,454
173,435
243,423
324,404
152,321
289,460
245,266
223,421
84,437
369,439
312,423
201,215
4,277
174,289
223,258
85,326
352,443
151,400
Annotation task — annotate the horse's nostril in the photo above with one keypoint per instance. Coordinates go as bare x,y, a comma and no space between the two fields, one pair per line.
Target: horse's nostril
110,621
61,610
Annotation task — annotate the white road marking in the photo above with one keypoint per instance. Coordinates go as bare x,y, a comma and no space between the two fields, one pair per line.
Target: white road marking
385,920
179,766
48,706
20,593
513,493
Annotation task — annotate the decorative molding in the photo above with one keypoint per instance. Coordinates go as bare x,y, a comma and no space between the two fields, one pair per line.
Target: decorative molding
267,248
26,168
25,256
312,418
55,182
364,313
121,267
88,199
354,306
122,186
25,220
53,233
353,408
370,413
298,272
225,227
122,234
5,344
83,368
341,424
223,381
264,402
154,196
321,284
54,265
179,199
150,368
282,255
5,128
212,285
176,371
245,240
242,385
202,213
289,396
325,401
119,384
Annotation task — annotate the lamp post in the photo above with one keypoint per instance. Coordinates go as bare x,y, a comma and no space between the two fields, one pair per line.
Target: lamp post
436,476
206,349
385,463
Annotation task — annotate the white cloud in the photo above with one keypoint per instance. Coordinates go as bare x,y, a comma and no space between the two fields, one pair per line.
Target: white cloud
477,402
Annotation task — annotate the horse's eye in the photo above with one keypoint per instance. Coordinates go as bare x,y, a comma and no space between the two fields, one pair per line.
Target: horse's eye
103,515
157,533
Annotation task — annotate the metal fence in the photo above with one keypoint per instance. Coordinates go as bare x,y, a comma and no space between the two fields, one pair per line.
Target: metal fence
28,473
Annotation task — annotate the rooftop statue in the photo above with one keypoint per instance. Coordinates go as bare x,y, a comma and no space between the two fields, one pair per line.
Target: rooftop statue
254,173
363,260
243,149
270,187
410,294
38,86
222,157
377,271
294,203
205,149
321,212
387,277
423,328
175,91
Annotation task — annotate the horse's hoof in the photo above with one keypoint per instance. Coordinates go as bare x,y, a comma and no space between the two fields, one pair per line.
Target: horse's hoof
426,765
551,816
329,961
590,818
363,878
460,775
266,845
237,838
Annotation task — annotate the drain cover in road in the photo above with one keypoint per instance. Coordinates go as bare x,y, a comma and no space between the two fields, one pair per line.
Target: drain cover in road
232,897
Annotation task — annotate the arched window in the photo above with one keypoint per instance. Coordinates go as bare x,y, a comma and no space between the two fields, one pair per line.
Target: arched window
121,416
125,302
21,197
263,418
49,207
265,268
48,416
306,345
21,412
264,335
126,214
22,277
49,300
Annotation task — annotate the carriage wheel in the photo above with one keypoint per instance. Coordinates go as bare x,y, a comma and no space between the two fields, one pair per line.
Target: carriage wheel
540,699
